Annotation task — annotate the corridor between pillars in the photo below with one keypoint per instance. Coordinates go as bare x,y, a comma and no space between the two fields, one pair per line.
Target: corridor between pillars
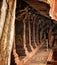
32,32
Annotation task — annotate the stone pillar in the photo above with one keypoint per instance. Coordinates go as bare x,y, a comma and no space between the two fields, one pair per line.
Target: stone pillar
50,36
24,35
30,33
37,31
7,19
34,18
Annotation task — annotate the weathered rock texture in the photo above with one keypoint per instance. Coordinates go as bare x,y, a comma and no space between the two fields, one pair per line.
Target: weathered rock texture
53,9
7,18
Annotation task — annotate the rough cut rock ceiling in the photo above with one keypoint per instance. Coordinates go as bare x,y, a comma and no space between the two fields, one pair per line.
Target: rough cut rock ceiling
43,7
46,1
53,8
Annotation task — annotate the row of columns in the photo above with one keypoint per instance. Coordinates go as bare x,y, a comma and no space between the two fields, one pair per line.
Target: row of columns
28,18
31,18
30,32
40,31
37,29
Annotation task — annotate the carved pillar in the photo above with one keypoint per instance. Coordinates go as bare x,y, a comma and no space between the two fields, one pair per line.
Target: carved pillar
50,36
37,35
34,18
37,30
39,23
24,35
7,37
43,31
3,11
30,32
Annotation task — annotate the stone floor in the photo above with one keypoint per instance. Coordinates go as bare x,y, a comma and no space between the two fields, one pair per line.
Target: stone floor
39,58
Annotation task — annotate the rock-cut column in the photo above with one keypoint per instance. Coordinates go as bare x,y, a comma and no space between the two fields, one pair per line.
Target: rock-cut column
7,27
